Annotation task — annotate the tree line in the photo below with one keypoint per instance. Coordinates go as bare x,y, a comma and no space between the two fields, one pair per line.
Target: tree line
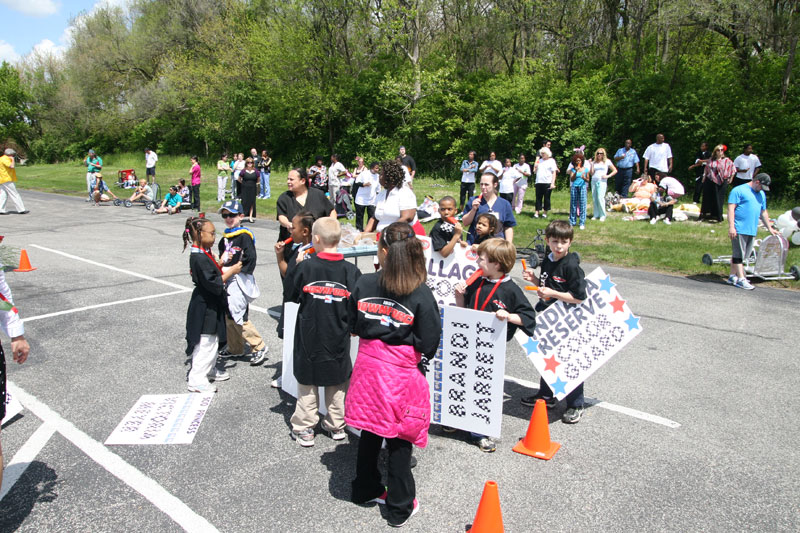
439,76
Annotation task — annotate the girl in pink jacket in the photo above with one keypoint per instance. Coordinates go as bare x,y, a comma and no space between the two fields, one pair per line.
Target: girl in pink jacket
397,318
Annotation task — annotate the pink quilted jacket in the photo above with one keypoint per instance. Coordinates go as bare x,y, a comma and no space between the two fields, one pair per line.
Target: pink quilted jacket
388,395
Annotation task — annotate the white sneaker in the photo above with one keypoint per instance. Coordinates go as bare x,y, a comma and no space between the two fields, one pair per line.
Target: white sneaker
667,222
602,219
535,215
732,279
219,375
653,220
583,227
208,387
744,284
276,383
544,215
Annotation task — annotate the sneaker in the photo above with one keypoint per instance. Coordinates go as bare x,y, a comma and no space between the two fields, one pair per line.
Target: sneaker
583,227
404,522
544,215
219,375
226,353
530,401
667,222
207,387
304,438
602,219
276,383
653,220
535,215
732,279
485,444
743,284
380,499
572,415
448,429
259,357
335,434
413,462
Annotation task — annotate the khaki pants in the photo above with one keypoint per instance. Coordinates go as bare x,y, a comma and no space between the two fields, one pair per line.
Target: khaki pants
238,335
306,413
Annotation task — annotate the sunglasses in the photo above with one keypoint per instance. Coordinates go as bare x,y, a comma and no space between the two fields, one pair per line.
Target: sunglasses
230,215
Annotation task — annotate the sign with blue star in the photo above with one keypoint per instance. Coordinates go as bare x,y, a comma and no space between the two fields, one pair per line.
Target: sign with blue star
571,341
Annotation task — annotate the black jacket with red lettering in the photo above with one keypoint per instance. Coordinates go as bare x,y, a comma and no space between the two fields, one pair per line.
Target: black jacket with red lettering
322,286
508,296
411,320
564,275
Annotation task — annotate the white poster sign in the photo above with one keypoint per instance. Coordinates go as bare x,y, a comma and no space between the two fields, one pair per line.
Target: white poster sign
466,377
571,342
13,408
288,381
445,272
162,419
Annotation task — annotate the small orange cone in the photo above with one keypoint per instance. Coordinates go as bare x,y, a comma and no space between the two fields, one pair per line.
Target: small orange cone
537,441
24,263
489,518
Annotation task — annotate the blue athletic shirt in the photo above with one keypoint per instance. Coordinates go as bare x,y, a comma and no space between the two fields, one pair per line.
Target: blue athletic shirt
749,205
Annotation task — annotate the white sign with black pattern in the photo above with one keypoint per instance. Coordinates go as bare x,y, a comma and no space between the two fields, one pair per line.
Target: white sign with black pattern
445,272
162,419
466,376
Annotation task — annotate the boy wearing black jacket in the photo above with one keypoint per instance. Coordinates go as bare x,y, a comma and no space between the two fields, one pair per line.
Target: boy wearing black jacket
322,284
561,278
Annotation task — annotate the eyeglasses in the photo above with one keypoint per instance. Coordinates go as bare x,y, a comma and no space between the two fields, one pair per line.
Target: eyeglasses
230,215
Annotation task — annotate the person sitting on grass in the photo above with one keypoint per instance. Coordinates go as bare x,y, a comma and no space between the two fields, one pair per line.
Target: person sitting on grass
171,203
99,190
142,192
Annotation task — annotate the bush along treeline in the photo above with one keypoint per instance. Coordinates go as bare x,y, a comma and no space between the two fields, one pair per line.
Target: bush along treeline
439,76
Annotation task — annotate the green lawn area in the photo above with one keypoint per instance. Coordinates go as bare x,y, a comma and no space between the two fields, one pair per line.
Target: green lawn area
675,249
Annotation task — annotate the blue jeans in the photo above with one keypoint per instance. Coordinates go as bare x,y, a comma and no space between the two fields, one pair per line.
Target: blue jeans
577,200
623,181
265,192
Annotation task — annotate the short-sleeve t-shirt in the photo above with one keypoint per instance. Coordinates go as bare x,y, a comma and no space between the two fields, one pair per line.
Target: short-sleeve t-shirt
337,169
316,203
749,162
524,170
367,194
749,205
501,210
195,174
510,175
441,233
391,203
544,172
173,199
657,155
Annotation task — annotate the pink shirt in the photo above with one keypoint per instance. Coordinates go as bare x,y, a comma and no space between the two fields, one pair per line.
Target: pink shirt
195,174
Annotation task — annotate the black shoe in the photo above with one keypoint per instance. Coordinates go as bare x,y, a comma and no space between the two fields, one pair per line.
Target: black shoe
530,401
24,212
413,462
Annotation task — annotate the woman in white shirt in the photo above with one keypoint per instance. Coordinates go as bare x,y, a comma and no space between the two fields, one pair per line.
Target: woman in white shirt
599,168
546,170
395,203
491,165
521,183
367,194
510,176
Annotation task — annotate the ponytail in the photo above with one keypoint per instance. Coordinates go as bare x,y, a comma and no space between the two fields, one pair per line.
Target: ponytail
191,232
404,268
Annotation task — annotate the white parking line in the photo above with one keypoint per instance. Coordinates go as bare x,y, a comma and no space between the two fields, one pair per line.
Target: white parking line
115,465
24,457
107,304
96,263
594,402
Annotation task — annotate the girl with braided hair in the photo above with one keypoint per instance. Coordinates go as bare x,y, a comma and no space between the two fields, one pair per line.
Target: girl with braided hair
205,318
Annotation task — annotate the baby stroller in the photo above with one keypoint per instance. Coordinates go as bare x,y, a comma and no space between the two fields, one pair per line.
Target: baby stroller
344,204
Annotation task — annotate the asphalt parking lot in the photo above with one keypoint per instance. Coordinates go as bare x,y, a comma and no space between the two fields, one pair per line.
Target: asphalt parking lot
696,430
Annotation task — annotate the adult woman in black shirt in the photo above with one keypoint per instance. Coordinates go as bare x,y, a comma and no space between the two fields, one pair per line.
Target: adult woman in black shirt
249,178
298,197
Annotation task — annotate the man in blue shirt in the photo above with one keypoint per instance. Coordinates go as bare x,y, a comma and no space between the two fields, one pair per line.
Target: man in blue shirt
746,204
468,169
626,159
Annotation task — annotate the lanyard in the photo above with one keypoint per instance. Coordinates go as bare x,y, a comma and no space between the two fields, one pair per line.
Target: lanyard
488,298
209,256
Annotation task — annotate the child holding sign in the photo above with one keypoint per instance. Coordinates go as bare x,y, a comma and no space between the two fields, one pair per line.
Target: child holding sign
497,293
397,318
561,278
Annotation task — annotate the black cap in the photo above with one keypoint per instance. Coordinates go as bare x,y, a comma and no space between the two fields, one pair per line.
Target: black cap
764,179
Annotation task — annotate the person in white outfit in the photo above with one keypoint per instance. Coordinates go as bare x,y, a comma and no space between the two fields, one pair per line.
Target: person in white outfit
8,176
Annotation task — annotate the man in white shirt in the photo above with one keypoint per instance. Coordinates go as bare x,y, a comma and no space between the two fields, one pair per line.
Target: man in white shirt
334,172
747,165
150,160
658,157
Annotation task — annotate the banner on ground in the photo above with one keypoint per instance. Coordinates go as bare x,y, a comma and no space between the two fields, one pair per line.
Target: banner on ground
162,419
445,272
13,408
288,381
571,342
466,376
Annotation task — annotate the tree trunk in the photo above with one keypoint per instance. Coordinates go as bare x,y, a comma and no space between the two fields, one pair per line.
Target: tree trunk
787,75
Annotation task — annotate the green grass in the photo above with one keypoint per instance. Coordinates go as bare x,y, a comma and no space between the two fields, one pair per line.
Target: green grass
675,249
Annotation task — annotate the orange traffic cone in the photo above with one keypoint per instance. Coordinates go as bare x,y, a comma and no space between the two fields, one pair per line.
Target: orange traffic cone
488,519
24,263
537,441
